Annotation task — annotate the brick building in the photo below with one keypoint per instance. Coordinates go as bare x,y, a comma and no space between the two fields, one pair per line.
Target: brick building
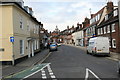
109,27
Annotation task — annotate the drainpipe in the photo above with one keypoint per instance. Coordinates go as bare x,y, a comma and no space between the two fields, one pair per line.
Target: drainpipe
13,56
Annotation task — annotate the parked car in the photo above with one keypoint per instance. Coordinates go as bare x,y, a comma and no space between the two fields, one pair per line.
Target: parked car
98,46
53,47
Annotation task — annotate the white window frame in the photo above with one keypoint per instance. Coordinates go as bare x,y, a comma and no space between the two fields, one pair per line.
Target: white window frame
37,44
22,52
106,17
114,46
21,22
108,29
105,30
109,43
115,12
113,27
101,30
34,44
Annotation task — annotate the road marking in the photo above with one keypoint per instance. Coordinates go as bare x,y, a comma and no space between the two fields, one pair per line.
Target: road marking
112,59
87,74
36,71
51,72
43,74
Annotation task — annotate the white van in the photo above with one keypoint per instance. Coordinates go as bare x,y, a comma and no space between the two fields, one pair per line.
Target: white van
98,46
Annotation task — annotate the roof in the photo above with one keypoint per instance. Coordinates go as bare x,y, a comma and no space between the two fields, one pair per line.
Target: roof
1,3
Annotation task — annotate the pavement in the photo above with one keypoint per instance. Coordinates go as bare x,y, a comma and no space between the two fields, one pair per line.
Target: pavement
113,55
8,70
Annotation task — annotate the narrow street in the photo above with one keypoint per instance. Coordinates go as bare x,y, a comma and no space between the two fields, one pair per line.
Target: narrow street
70,62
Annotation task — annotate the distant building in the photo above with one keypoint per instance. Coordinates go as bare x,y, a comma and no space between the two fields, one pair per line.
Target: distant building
55,35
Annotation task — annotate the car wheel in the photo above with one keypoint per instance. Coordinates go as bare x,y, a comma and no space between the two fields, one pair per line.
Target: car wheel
87,52
56,49
93,53
119,71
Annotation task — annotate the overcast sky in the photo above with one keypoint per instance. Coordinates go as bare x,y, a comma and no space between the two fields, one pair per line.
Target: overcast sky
64,12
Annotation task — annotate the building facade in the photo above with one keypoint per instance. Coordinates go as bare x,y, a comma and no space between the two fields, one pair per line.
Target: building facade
20,32
110,28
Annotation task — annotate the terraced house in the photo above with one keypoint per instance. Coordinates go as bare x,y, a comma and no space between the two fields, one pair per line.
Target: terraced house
110,28
105,23
20,31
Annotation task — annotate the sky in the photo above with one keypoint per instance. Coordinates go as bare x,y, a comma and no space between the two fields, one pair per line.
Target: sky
63,13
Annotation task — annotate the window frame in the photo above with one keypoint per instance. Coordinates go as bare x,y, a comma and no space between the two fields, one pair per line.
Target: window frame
104,29
114,46
22,47
108,28
113,30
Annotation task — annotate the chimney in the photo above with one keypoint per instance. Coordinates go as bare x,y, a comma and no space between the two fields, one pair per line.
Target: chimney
87,21
92,15
110,6
67,27
20,2
80,26
72,26
31,11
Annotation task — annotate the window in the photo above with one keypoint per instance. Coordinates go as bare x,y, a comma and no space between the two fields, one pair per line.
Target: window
109,43
37,29
108,29
106,17
114,43
37,44
21,46
101,31
113,27
21,22
28,27
105,30
98,16
115,13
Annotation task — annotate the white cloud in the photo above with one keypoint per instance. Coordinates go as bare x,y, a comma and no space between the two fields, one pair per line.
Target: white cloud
63,13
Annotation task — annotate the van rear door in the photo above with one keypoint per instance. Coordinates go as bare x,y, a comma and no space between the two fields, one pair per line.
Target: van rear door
102,45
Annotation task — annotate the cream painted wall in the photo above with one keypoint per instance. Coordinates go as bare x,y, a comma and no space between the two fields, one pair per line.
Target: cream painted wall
1,33
20,34
17,47
17,15
7,31
11,27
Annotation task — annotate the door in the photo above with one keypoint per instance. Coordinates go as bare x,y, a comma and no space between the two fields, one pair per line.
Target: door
29,49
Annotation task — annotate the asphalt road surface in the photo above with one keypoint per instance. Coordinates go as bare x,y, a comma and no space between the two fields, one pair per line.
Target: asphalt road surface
71,62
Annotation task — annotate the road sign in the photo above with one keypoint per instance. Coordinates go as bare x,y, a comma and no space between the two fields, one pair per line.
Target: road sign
11,39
